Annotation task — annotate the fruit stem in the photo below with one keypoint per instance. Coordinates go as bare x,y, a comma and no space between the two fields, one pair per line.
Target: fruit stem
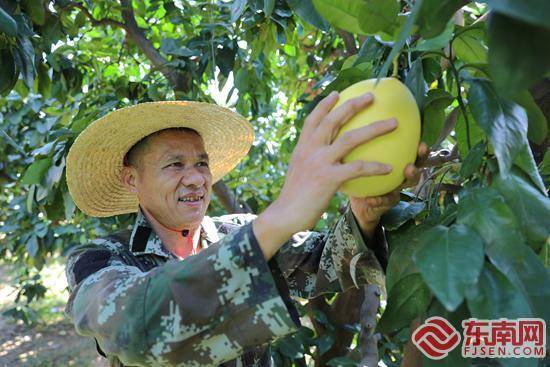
461,103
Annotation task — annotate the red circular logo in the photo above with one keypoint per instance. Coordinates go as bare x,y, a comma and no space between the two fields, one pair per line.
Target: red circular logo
436,337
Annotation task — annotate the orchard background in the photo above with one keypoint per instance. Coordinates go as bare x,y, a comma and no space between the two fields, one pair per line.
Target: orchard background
480,215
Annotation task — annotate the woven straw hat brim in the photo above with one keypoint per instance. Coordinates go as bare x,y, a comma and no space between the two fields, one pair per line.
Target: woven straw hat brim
95,160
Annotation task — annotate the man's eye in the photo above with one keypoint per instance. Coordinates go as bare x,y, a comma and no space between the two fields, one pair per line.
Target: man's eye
175,164
202,164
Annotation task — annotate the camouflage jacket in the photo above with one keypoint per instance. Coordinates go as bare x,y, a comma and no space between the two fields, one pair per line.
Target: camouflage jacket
223,306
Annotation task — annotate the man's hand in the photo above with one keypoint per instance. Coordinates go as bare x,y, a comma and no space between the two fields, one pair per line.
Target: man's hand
316,172
367,211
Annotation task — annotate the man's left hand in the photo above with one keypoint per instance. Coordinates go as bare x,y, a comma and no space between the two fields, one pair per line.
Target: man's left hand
368,210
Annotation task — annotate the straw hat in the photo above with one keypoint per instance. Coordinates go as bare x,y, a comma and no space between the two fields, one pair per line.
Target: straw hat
95,160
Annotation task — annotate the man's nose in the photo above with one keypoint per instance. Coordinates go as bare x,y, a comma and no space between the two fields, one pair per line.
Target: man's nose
192,177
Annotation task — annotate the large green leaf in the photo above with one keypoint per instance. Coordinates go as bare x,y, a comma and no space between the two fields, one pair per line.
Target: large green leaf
9,72
469,48
531,11
526,162
519,54
24,58
416,83
407,299
531,207
400,214
36,171
538,125
380,16
485,210
7,24
473,160
476,134
443,256
433,117
503,121
495,297
342,14
434,15
437,42
402,245
306,11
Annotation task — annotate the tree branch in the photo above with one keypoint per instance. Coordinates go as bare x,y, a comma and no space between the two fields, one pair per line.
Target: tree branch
179,81
349,41
96,22
368,340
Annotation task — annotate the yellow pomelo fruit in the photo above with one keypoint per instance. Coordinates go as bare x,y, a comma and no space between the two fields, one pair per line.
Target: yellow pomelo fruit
392,99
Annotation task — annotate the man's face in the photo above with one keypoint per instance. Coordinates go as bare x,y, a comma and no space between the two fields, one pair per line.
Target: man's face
173,180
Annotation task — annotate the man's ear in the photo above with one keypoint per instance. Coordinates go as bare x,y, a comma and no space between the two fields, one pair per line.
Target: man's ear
129,178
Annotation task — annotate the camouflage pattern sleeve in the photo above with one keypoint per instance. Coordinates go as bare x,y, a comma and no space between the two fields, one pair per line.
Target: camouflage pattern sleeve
201,311
314,263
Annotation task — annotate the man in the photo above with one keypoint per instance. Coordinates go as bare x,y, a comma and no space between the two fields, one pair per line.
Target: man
184,289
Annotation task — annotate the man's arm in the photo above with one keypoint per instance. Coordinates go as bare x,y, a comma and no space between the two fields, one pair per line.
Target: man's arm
203,310
315,263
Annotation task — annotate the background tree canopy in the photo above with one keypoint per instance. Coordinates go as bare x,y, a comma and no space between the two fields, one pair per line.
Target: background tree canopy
472,239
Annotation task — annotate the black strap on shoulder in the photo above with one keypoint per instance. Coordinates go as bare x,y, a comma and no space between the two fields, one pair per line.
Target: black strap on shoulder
90,262
140,239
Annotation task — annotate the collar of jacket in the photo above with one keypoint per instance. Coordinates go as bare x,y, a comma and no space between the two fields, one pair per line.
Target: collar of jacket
145,241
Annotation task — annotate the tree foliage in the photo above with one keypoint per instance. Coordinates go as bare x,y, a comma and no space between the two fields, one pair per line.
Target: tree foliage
479,217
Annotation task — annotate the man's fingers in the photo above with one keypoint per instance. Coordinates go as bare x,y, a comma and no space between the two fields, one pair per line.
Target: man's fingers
332,122
351,139
355,169
320,111
423,154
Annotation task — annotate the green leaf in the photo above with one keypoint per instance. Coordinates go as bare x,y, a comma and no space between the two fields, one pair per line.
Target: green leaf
269,5
437,42
544,166
346,78
400,214
485,210
403,243
306,11
526,162
237,9
495,297
476,134
342,13
503,121
443,256
407,299
35,9
469,48
532,11
538,126
401,39
473,160
8,72
530,206
36,171
379,17
434,15
324,342
24,58
519,54
433,117
171,46
416,83
7,24
291,347
544,254
32,246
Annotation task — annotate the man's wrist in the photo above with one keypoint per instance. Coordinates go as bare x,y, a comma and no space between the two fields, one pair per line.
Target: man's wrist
271,230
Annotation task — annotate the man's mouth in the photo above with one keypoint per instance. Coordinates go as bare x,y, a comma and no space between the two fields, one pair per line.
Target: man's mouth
191,198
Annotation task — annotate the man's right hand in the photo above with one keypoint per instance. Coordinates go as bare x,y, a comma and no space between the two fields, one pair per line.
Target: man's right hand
316,172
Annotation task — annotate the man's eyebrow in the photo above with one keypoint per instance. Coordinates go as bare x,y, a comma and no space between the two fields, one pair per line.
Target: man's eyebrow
169,157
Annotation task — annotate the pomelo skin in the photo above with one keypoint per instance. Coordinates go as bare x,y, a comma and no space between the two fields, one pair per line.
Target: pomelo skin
392,99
